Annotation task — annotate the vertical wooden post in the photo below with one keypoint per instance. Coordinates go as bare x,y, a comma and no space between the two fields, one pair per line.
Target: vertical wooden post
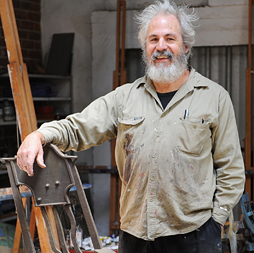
249,111
119,78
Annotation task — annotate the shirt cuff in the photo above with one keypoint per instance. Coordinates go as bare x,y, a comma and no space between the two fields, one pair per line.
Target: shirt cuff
220,214
47,137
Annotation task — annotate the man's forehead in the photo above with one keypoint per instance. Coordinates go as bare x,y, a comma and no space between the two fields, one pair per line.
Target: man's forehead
163,22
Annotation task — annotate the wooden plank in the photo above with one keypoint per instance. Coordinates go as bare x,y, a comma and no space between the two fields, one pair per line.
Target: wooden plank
10,31
114,223
248,185
29,99
52,221
123,31
15,67
41,230
247,144
18,232
19,100
32,224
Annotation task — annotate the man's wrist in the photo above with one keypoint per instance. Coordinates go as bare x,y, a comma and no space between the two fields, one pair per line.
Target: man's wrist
41,137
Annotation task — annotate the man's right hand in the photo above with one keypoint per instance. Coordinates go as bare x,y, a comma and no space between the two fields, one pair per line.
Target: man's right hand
31,149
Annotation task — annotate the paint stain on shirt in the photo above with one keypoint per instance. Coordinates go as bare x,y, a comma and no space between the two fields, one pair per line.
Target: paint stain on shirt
129,157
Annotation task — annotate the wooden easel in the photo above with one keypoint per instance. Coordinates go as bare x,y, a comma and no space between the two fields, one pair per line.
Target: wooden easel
249,129
26,116
119,79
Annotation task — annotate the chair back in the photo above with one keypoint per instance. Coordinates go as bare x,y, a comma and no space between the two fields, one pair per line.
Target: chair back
50,187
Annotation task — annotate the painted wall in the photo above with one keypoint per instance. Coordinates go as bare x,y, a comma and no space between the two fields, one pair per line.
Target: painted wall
94,22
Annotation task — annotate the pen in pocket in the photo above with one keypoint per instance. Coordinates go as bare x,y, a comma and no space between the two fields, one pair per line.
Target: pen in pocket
186,113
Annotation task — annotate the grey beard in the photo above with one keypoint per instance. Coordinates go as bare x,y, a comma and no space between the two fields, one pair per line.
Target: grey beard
167,74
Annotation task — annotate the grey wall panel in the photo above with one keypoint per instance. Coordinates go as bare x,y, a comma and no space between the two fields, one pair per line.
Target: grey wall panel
226,66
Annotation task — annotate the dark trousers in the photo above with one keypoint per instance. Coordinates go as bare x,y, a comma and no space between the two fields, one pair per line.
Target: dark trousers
206,239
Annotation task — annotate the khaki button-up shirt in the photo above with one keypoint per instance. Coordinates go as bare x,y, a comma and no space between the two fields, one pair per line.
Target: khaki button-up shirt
178,166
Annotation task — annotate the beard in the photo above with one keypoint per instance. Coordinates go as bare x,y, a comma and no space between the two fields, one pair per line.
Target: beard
166,74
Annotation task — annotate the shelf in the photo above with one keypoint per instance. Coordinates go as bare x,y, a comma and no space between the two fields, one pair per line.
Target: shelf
46,76
8,217
57,94
9,123
52,99
97,169
43,99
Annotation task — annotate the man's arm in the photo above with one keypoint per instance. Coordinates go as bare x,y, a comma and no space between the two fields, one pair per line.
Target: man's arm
31,149
93,126
228,161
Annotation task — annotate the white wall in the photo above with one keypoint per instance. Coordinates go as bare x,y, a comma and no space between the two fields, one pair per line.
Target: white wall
222,23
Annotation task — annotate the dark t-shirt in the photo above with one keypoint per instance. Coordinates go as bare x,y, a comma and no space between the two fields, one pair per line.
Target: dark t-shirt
166,97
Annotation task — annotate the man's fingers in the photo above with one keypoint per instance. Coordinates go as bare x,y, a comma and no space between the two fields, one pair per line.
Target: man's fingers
31,149
40,160
25,163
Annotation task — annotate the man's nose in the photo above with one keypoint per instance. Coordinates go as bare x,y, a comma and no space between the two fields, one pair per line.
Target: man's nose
162,45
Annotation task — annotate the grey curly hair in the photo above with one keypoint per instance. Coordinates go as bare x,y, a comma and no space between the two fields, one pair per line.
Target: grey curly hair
168,7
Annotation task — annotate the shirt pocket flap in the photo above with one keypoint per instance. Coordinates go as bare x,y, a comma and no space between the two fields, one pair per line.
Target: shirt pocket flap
131,121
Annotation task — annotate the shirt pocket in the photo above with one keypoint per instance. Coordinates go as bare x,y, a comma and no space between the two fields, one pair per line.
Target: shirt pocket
130,131
193,136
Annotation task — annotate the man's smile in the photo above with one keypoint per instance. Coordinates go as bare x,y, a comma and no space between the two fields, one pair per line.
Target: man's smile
163,55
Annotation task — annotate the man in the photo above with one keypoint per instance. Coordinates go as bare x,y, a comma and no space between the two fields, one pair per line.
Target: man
177,148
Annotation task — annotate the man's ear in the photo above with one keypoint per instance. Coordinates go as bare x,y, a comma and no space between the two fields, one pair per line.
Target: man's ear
186,49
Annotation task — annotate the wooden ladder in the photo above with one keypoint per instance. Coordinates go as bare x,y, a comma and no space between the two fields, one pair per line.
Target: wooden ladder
26,117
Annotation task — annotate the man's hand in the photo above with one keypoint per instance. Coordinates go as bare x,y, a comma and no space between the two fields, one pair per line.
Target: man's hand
30,150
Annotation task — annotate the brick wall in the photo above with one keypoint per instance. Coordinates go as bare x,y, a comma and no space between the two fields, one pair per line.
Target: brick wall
28,16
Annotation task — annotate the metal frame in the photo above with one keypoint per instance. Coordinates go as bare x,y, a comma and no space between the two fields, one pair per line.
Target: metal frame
50,187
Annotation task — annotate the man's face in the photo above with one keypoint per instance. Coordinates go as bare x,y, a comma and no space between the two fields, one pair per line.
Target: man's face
164,39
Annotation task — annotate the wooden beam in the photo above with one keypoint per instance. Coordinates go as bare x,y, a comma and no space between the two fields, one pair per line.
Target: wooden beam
248,142
119,78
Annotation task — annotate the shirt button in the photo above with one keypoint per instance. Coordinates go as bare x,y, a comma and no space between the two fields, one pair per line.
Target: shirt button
152,178
151,200
154,156
195,126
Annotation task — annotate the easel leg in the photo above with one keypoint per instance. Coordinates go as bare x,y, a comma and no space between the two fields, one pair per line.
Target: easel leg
18,232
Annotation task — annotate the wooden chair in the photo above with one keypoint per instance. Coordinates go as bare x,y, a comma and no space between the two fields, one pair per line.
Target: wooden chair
50,187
